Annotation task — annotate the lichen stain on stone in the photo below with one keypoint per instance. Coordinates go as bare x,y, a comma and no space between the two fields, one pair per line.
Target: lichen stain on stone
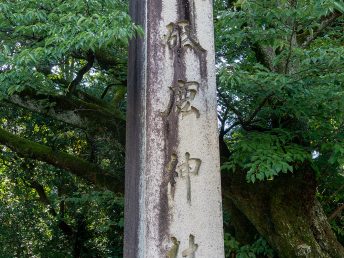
173,251
155,52
170,121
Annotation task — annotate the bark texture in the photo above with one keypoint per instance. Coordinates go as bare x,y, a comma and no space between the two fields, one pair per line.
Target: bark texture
285,212
81,111
79,167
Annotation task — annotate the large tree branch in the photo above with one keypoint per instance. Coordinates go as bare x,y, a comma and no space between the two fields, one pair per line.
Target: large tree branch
259,108
106,58
66,229
80,75
292,43
78,167
72,110
336,213
265,56
43,198
228,129
231,107
245,123
328,20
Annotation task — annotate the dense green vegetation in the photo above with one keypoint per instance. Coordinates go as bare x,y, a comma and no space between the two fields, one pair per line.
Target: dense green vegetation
62,126
281,94
63,77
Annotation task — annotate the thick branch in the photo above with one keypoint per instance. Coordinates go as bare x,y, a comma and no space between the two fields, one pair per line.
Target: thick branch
228,129
78,167
106,90
43,196
245,123
71,110
231,107
82,72
260,106
224,151
106,58
265,56
223,119
292,44
66,229
325,23
336,213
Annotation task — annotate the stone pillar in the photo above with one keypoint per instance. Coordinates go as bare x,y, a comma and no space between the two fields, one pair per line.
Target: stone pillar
173,189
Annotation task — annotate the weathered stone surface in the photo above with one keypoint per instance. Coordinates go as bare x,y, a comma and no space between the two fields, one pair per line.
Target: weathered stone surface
173,195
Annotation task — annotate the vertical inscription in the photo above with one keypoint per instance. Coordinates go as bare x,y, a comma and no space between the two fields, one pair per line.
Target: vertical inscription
184,48
172,150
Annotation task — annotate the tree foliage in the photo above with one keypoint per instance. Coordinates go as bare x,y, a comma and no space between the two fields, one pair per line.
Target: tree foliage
281,91
62,87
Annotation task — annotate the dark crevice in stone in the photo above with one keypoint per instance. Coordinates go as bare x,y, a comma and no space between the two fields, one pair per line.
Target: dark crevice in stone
184,10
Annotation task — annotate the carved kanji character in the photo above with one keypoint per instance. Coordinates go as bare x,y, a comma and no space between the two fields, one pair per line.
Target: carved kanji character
185,93
180,35
190,252
173,252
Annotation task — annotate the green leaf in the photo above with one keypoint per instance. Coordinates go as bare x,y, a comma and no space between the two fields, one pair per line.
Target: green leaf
339,6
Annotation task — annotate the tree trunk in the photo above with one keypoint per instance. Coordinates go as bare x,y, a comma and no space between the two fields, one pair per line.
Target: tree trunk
285,212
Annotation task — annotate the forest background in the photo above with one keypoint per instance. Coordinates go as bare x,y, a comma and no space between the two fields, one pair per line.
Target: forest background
280,74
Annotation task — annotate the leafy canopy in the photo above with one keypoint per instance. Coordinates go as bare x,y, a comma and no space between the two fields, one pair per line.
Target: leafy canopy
62,85
37,37
281,85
